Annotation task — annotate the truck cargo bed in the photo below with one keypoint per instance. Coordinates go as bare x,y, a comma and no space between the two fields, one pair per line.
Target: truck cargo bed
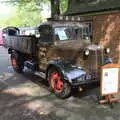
22,43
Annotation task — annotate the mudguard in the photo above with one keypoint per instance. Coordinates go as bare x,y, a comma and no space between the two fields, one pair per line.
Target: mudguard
69,71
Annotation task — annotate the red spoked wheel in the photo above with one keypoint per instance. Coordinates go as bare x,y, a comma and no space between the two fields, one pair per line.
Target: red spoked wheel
58,85
56,82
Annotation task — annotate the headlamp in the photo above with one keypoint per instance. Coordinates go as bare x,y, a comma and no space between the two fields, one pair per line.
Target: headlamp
107,50
87,52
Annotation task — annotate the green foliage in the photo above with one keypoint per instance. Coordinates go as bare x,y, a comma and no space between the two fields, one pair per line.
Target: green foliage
63,6
28,12
27,15
2,23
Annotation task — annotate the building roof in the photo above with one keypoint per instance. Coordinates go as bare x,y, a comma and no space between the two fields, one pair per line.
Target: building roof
90,6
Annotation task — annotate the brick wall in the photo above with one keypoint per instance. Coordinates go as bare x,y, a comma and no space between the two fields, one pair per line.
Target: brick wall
106,31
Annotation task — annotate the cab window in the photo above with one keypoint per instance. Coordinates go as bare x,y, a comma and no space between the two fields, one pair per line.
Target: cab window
72,32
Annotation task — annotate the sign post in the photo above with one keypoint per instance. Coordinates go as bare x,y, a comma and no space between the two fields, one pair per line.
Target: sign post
110,82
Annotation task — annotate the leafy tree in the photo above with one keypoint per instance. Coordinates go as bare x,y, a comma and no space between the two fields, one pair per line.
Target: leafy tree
63,5
28,12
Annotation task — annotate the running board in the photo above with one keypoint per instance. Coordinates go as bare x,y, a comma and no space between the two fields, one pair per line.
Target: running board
41,74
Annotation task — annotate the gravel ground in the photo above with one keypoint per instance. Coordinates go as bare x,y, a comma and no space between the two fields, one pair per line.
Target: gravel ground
27,97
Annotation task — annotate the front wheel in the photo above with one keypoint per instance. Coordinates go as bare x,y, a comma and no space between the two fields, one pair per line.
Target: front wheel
57,84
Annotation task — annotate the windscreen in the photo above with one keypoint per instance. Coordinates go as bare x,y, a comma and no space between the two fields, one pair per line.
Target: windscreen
72,32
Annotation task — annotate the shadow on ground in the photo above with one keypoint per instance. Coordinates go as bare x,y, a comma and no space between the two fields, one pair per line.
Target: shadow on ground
19,107
91,89
30,99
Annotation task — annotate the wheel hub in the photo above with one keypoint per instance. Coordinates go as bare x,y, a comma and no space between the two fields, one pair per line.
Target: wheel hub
56,82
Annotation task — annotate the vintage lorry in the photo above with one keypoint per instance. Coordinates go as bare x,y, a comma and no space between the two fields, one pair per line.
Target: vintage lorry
61,52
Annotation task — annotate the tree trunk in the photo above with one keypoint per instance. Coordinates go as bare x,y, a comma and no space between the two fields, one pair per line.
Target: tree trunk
55,7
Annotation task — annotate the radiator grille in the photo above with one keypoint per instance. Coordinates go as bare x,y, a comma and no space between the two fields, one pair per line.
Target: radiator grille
94,61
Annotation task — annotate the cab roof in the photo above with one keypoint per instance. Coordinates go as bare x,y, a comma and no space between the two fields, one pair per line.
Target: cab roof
63,22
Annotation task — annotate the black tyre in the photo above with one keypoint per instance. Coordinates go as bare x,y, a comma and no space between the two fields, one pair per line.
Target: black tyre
57,84
17,62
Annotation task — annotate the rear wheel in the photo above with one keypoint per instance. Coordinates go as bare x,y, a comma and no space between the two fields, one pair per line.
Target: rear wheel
57,84
17,62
